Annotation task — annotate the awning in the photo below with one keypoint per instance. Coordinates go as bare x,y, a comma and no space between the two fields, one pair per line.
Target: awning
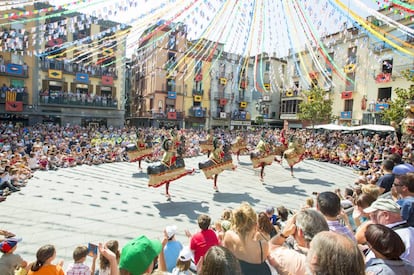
104,88
55,83
82,86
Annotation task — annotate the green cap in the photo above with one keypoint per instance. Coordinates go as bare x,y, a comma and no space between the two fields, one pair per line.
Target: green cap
138,254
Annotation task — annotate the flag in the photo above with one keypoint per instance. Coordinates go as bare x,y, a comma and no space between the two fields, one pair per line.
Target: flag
11,96
14,69
107,80
57,74
172,115
81,77
346,95
14,106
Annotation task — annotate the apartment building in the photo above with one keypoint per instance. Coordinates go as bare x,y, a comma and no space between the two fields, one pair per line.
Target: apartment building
72,68
357,71
158,77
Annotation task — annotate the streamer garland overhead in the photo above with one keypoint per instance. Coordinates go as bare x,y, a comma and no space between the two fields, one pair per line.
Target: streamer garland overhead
247,28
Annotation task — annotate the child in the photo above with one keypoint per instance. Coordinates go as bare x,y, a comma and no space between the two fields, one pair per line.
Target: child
9,261
183,262
79,267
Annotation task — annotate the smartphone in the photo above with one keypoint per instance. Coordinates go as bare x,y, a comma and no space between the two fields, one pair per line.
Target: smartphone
92,249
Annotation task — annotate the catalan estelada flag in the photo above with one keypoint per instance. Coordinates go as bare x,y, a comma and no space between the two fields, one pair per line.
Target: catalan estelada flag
11,96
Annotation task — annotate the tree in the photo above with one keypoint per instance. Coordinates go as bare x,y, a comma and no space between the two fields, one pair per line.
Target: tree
396,111
317,106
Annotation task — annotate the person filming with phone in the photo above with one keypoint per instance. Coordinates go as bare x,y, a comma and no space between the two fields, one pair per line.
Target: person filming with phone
79,256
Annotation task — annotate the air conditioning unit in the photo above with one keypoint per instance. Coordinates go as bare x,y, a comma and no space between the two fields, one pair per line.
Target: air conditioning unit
223,115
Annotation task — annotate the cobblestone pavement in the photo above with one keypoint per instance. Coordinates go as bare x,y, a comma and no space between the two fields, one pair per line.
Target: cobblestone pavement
84,204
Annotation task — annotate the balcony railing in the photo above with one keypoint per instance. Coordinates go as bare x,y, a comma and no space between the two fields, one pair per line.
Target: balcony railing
217,96
240,115
74,100
74,68
291,93
17,70
242,99
165,115
198,92
197,112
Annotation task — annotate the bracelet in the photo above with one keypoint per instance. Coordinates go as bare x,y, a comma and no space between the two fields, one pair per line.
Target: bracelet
283,236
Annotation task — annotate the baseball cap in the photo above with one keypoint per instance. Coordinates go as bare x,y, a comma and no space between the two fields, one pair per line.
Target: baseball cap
8,244
138,254
383,204
402,169
171,230
185,254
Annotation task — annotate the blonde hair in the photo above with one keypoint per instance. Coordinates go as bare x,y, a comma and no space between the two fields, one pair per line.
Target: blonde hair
244,219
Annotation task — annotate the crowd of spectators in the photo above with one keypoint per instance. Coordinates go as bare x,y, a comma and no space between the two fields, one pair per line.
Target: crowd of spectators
21,92
320,238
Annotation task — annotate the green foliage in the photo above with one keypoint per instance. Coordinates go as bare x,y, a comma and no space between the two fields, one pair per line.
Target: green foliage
316,106
396,110
259,120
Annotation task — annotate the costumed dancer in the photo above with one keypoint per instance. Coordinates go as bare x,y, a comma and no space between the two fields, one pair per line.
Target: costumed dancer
238,146
172,167
219,160
140,150
206,146
281,147
262,156
294,153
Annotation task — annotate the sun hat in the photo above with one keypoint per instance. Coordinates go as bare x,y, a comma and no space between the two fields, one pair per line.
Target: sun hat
383,204
138,254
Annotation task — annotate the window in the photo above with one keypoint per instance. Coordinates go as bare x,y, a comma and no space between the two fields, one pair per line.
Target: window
172,42
267,66
348,105
384,94
296,71
352,55
350,84
198,67
290,106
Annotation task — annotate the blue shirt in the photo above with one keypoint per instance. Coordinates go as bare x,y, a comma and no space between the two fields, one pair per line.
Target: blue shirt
171,252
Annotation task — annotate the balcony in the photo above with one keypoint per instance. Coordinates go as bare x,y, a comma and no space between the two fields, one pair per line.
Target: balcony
15,70
240,115
197,112
198,92
380,47
167,115
219,115
240,99
73,100
74,68
291,93
218,96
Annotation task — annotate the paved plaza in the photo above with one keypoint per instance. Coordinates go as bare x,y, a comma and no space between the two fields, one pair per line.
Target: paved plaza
112,201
